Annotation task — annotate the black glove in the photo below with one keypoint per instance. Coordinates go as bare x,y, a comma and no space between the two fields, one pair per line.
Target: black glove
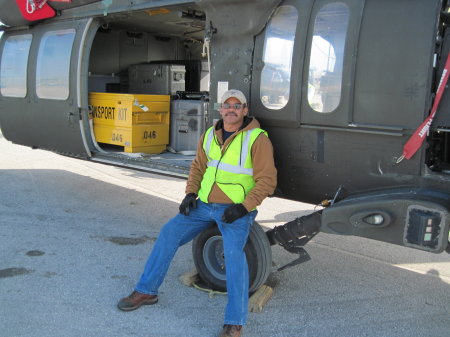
190,200
234,212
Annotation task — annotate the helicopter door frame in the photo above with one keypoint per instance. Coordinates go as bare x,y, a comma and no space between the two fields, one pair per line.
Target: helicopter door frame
328,81
290,115
286,114
49,113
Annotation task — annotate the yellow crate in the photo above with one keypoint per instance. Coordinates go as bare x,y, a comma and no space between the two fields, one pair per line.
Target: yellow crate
139,123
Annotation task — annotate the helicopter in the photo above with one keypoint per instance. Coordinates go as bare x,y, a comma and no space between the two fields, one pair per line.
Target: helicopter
341,86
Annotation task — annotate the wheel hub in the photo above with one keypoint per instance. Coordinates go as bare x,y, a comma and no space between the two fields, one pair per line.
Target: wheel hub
213,256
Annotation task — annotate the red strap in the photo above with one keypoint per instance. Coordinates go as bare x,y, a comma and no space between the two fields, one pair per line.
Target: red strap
416,140
39,13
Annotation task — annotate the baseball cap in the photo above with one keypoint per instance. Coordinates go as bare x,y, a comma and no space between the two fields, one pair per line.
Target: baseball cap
234,93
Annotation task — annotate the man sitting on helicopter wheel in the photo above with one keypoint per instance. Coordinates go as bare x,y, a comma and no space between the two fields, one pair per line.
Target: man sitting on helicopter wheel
232,173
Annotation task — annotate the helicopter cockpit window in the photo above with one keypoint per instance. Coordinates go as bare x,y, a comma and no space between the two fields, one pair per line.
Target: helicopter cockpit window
13,72
327,57
53,64
277,58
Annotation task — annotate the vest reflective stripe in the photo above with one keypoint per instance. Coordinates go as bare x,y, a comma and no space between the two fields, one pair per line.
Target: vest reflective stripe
232,171
230,168
209,141
245,146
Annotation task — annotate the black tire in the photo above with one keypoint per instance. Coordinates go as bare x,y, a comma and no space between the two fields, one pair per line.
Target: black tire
207,250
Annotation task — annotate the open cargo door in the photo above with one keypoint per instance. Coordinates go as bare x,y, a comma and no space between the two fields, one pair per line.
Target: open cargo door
40,91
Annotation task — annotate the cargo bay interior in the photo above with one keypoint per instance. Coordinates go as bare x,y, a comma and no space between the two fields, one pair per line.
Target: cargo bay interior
148,83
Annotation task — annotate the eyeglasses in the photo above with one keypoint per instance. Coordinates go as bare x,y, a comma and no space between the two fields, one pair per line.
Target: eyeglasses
236,106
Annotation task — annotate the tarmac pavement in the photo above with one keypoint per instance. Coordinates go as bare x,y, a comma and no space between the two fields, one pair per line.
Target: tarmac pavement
75,235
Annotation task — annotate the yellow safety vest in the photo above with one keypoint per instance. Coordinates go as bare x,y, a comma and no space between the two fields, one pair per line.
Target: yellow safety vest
232,171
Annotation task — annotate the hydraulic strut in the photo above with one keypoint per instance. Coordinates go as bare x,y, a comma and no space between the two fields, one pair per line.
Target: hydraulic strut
293,235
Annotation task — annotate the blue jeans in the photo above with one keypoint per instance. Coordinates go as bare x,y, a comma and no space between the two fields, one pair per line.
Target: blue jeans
180,230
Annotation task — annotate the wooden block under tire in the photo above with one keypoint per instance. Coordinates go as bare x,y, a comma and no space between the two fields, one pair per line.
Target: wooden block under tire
189,278
259,298
256,302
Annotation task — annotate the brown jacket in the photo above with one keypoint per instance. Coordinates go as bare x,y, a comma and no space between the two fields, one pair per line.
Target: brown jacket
264,171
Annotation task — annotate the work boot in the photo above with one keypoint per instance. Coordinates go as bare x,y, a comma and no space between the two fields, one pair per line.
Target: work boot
231,330
135,300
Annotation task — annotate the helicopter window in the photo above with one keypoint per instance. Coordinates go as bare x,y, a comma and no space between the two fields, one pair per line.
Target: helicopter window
327,57
53,64
13,72
277,58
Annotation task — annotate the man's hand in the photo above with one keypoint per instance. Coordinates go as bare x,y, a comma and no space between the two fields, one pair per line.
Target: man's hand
189,201
234,212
